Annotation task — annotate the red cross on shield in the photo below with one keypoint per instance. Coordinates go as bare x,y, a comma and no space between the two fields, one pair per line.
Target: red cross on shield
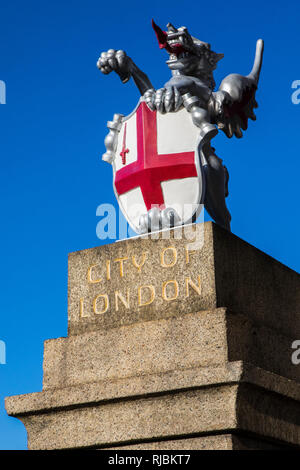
157,164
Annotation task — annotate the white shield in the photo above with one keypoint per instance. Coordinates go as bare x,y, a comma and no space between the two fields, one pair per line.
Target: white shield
157,164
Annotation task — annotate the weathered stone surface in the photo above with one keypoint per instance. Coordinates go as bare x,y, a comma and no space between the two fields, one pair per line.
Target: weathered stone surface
169,264
215,442
166,406
151,384
192,340
205,364
219,442
175,414
108,390
227,271
247,443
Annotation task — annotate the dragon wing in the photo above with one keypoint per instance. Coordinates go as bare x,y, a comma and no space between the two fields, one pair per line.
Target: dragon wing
234,102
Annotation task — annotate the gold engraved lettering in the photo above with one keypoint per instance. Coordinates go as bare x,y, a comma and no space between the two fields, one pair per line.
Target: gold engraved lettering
81,309
108,270
97,311
152,295
189,282
162,257
164,290
124,301
89,275
121,261
188,252
143,260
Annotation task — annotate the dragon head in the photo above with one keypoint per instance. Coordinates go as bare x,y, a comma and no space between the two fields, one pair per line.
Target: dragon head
188,55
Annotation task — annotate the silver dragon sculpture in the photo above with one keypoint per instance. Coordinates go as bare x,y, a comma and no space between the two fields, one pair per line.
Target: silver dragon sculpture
192,85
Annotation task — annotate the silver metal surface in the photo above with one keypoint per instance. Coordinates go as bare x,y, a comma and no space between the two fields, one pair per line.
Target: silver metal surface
111,140
192,84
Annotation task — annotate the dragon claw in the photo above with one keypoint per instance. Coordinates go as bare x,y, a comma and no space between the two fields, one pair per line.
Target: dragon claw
164,100
149,98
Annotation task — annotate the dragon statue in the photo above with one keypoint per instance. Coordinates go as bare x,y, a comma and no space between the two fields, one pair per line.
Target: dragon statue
192,85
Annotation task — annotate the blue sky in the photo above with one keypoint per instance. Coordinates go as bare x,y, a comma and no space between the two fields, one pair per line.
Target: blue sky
51,140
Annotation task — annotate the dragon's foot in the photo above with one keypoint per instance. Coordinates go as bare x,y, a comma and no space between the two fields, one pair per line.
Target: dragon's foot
164,100
158,219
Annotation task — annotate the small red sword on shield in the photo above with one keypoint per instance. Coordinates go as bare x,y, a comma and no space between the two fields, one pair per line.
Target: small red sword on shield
124,149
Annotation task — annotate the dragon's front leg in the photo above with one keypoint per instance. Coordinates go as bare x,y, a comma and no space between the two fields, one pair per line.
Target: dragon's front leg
119,62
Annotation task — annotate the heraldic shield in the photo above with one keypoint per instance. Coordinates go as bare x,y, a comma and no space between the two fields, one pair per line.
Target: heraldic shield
157,171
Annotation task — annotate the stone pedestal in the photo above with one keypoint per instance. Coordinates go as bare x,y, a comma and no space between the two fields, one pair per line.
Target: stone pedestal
179,341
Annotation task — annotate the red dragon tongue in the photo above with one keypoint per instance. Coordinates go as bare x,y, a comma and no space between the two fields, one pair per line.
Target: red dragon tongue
161,37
